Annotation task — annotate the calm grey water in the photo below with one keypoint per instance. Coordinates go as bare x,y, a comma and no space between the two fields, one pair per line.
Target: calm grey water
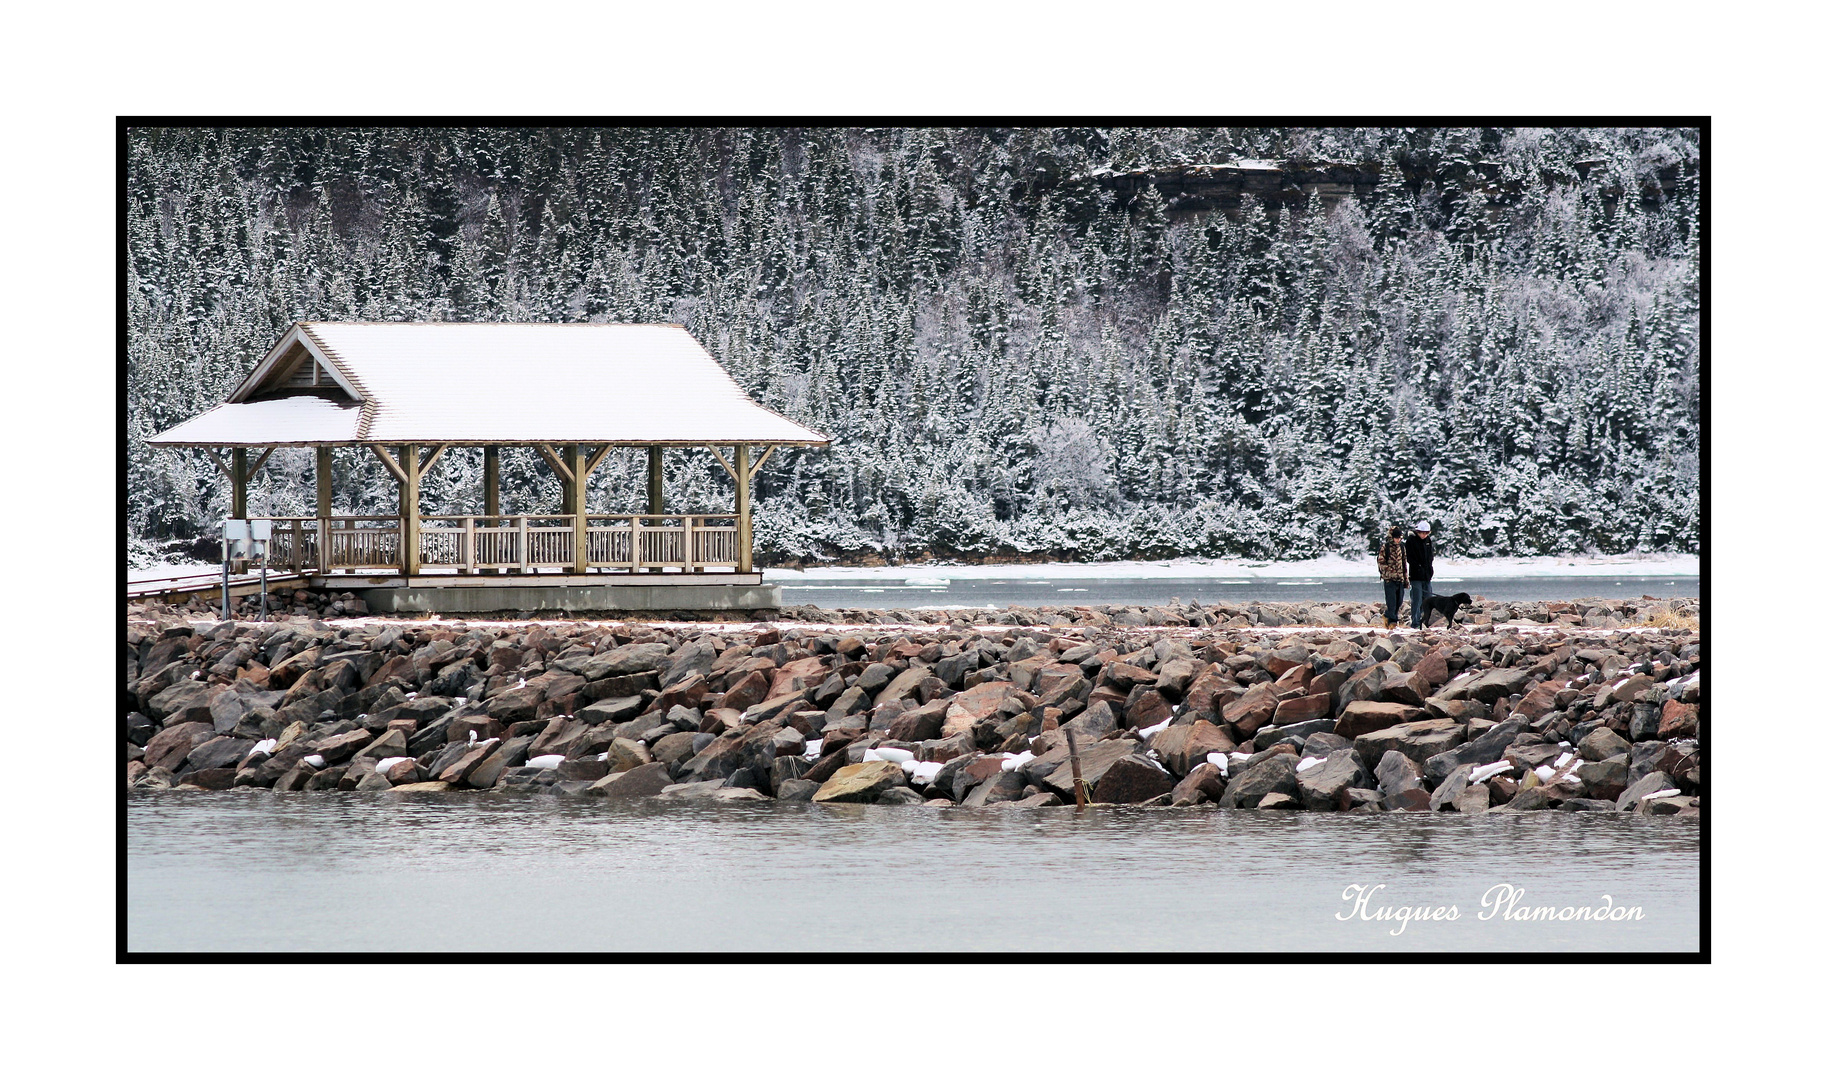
1066,592
256,871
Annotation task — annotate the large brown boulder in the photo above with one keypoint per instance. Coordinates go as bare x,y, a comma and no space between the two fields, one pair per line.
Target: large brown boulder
1053,770
1274,775
168,749
1205,783
862,782
1183,747
625,660
1363,717
639,782
1131,779
1300,709
1368,684
1323,784
1202,694
980,702
1253,711
1416,741
185,701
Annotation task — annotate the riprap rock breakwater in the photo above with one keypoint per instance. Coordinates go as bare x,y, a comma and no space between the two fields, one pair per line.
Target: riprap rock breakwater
1333,718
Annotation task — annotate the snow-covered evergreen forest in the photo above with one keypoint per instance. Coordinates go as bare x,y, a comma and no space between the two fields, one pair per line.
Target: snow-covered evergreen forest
1023,348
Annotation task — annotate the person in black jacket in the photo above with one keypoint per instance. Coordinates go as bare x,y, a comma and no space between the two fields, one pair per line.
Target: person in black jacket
1419,548
1392,568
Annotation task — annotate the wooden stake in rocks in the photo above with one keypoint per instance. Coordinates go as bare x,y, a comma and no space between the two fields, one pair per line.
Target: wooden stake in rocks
1078,780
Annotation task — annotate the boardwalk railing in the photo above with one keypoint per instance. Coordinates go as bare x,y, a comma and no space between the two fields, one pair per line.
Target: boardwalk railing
517,544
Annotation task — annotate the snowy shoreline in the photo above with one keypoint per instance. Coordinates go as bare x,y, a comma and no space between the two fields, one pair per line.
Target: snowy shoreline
1326,567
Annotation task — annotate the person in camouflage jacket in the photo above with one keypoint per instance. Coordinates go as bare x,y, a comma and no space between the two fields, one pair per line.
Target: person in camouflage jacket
1392,567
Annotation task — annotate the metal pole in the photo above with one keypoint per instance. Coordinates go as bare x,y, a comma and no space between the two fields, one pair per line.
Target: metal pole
225,579
263,550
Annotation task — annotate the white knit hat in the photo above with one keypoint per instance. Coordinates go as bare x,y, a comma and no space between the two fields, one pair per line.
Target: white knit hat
1422,526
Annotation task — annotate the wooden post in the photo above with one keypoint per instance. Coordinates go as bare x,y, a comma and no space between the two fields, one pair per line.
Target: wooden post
522,522
491,489
656,490
656,493
238,482
1078,781
580,535
409,510
491,481
324,462
744,563
237,464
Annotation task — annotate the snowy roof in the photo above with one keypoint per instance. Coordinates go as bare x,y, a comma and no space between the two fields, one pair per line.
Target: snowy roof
268,423
396,383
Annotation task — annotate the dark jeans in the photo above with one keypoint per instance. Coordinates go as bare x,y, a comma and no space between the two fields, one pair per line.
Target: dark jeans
1392,600
1419,592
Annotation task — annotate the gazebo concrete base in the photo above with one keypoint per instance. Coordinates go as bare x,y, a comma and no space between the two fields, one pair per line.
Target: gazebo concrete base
572,598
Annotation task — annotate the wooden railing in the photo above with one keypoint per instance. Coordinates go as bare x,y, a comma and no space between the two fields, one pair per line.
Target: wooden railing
517,544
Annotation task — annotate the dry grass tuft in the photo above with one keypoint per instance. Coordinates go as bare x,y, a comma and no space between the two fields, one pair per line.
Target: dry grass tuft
1668,620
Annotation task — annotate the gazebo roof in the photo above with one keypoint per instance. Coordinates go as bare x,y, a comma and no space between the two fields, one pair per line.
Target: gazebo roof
328,383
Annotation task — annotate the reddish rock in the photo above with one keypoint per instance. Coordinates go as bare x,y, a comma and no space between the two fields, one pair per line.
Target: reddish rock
1279,661
1250,712
168,749
1125,676
1176,675
483,725
1296,710
1132,779
1201,694
1538,701
1050,677
1433,667
717,721
966,708
1410,799
1417,740
1183,747
1146,710
1364,717
918,725
1406,688
1295,677
559,737
210,779
1205,783
459,770
1368,684
1679,720
641,781
516,705
688,692
1631,688
774,708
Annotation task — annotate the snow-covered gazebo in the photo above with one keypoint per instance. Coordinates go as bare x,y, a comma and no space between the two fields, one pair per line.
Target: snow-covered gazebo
409,391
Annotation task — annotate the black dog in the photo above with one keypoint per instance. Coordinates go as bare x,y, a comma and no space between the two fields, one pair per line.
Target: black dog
1446,605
